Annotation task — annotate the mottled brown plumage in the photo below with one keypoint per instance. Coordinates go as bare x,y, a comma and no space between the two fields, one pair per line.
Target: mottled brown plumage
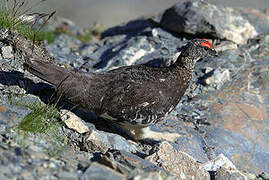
133,96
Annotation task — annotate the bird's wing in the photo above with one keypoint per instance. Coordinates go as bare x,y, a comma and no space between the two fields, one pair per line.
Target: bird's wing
132,101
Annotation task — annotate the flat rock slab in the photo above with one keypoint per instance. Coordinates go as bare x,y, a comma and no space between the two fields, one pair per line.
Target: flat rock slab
182,165
240,125
100,172
239,115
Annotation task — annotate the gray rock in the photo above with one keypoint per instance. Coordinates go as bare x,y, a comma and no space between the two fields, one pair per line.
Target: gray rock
130,28
258,47
218,77
7,52
153,176
13,114
191,141
242,102
100,172
67,175
64,49
232,174
102,141
219,162
200,17
155,47
73,122
263,176
129,163
225,45
257,17
182,165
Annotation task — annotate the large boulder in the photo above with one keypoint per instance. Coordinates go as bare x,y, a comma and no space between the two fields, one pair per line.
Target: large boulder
201,18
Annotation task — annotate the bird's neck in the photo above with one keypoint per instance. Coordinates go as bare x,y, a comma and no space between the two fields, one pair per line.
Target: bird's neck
186,63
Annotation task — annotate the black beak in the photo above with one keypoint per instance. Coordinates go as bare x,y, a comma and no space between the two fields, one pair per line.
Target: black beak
213,53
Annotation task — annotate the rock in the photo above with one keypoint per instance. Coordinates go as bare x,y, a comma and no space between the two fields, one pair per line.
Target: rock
232,131
190,141
208,70
7,52
218,77
200,17
152,176
97,141
73,122
64,49
14,114
102,141
178,163
99,172
257,17
232,174
129,163
155,47
225,45
130,28
219,162
264,176
67,175
258,47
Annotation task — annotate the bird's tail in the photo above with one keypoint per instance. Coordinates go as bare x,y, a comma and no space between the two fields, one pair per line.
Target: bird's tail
46,71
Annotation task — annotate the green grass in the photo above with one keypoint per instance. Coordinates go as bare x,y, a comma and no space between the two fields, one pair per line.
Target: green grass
11,11
40,120
40,124
9,20
86,36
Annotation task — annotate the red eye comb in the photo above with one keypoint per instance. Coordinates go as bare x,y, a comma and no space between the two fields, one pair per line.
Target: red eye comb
206,44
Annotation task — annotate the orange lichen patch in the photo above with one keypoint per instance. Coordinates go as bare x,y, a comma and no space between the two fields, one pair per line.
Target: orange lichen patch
244,159
233,118
235,113
230,94
257,113
244,119
2,109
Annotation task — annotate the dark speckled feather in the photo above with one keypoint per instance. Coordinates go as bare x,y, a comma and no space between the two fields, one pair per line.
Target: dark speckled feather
139,95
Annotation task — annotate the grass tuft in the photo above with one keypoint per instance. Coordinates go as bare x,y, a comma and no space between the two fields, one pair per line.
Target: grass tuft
40,120
12,16
40,125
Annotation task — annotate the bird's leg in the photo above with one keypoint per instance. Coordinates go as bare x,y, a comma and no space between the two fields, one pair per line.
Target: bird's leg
145,133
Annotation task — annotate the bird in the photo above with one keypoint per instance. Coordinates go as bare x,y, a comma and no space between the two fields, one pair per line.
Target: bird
133,97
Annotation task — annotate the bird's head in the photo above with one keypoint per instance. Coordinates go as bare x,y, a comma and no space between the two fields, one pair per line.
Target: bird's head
195,50
198,48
